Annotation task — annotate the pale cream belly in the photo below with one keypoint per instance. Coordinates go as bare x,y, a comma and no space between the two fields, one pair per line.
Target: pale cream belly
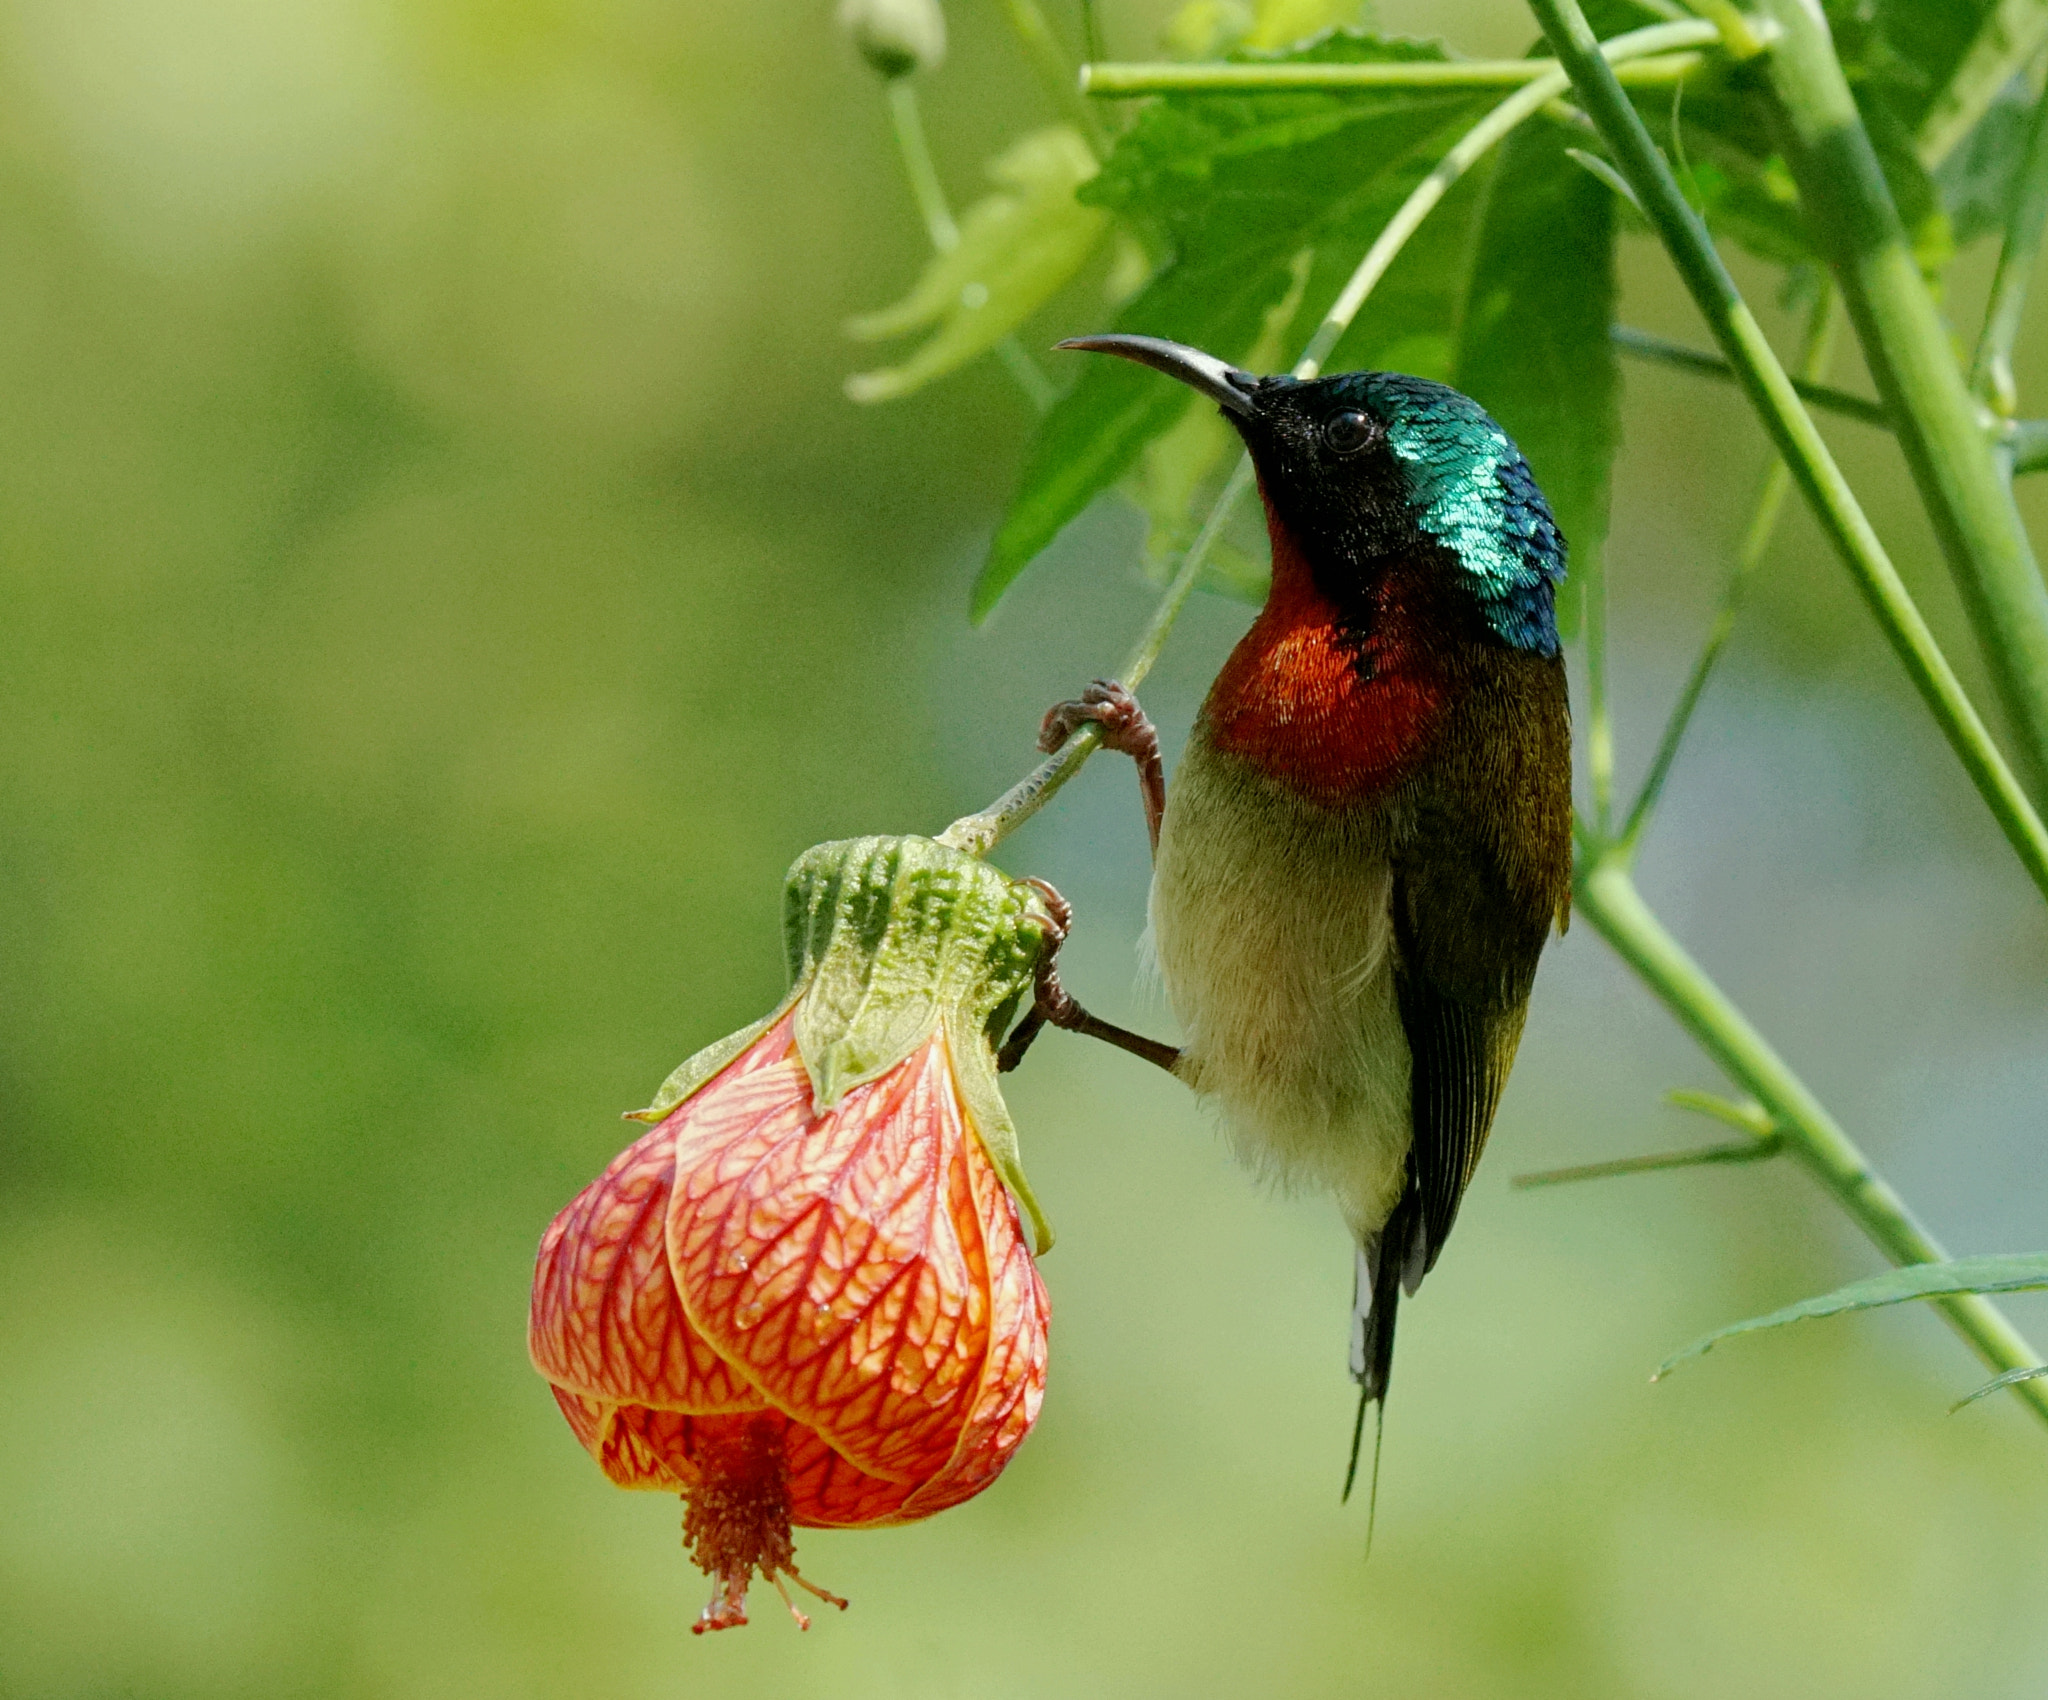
1270,918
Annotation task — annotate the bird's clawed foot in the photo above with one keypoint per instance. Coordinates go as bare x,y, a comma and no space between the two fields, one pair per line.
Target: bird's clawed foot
1125,728
1053,1005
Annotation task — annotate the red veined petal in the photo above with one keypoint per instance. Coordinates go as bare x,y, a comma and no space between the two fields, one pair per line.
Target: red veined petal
835,1257
1013,1375
605,1321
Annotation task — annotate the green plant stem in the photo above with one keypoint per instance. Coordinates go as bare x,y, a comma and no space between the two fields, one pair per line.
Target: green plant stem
1822,323
908,122
1834,504
906,119
1607,897
1991,369
1643,345
1055,71
1599,713
1434,76
2011,34
979,833
1699,1156
2026,445
1906,345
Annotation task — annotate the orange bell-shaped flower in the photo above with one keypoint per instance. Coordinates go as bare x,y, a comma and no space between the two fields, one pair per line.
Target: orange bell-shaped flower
804,1297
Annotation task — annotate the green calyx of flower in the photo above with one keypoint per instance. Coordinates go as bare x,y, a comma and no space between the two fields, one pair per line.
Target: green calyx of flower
890,939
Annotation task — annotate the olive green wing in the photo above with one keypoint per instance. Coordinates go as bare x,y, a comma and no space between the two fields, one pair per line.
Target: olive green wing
1482,874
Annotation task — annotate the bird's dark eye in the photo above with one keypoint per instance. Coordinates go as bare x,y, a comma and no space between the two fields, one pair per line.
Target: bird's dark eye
1348,432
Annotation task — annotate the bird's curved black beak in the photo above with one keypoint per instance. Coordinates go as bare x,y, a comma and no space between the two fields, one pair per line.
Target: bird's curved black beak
1225,385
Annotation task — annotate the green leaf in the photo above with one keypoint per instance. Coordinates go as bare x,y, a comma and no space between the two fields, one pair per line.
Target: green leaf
2008,34
1533,343
1506,291
1208,29
1900,55
1018,248
1095,431
2008,1273
1238,188
1286,23
1183,469
1976,180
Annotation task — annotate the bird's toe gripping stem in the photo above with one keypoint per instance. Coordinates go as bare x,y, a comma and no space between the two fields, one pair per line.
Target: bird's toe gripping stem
1053,1005
1126,728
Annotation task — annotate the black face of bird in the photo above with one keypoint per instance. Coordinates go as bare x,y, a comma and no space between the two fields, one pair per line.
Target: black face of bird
1366,470
1323,455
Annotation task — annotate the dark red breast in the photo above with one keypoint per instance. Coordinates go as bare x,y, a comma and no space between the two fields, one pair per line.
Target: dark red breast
1339,705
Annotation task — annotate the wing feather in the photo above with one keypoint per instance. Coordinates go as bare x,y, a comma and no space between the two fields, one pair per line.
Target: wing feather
1482,875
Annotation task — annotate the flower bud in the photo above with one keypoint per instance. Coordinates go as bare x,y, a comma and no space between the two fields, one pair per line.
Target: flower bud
804,1297
896,37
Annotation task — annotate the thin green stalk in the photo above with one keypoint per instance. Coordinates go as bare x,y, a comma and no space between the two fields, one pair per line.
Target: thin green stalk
1657,1162
1607,897
1430,76
981,832
1055,71
1906,345
1991,369
1643,345
1813,467
1466,152
1599,714
1822,323
2011,34
907,121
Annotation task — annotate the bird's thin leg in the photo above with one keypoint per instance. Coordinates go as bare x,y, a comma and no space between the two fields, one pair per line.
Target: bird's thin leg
1125,728
1054,1006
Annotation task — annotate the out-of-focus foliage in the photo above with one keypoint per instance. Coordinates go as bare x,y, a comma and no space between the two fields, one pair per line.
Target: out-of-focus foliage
1018,248
445,587
1208,29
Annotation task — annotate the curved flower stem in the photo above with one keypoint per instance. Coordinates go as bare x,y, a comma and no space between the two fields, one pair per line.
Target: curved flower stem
1939,423
907,121
1834,504
1606,895
978,833
1822,323
1991,368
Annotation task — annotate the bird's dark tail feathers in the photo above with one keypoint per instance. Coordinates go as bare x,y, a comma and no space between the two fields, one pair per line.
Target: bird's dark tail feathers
1375,1305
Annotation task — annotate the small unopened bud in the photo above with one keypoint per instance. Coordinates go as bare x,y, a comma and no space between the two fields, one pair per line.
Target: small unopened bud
896,37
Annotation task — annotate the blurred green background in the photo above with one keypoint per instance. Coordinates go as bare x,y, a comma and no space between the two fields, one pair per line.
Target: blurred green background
444,587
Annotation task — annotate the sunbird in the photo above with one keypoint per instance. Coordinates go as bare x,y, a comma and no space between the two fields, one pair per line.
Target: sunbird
1368,839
